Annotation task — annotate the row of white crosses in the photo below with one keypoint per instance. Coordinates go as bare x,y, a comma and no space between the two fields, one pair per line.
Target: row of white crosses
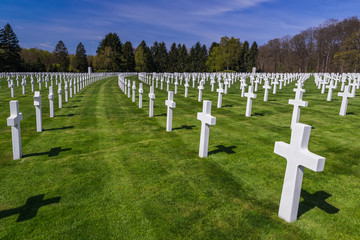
297,154
16,117
330,81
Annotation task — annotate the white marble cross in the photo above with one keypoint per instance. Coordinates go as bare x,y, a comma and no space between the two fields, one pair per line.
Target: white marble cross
70,88
267,87
60,95
66,92
125,92
242,87
275,83
12,88
186,85
151,101
167,84
330,87
298,103
206,120
200,87
170,105
250,95
32,84
51,101
298,156
212,82
14,122
37,104
128,90
176,86
133,91
345,95
141,91
220,91
23,84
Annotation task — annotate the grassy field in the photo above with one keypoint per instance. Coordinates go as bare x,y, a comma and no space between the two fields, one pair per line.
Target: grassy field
103,169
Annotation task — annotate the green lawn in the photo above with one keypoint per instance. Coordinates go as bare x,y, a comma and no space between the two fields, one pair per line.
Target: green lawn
104,170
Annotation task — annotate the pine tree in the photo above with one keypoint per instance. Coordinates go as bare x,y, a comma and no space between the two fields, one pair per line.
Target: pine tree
162,57
113,42
173,58
155,55
243,59
10,58
81,58
62,56
128,57
252,57
183,59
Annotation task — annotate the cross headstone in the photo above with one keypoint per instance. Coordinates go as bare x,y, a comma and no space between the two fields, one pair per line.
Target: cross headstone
66,92
345,95
133,91
206,120
151,101
212,82
170,105
176,86
23,84
330,87
60,95
200,87
186,85
267,87
242,87
14,122
220,91
32,83
37,104
250,95
298,103
128,90
141,91
298,156
12,88
51,101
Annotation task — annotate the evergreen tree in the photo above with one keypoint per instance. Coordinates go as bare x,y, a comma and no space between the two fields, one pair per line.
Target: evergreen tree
112,42
183,59
128,57
10,59
81,58
155,55
244,55
252,57
173,59
62,56
162,57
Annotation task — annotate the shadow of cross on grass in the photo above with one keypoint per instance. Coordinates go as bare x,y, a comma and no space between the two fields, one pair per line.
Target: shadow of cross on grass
317,199
184,127
30,209
52,153
222,148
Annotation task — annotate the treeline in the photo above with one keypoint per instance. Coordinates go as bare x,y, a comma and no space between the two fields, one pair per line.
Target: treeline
14,58
229,54
114,56
333,46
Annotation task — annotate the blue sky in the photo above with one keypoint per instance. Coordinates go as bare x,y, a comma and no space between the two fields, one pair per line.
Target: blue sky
43,23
